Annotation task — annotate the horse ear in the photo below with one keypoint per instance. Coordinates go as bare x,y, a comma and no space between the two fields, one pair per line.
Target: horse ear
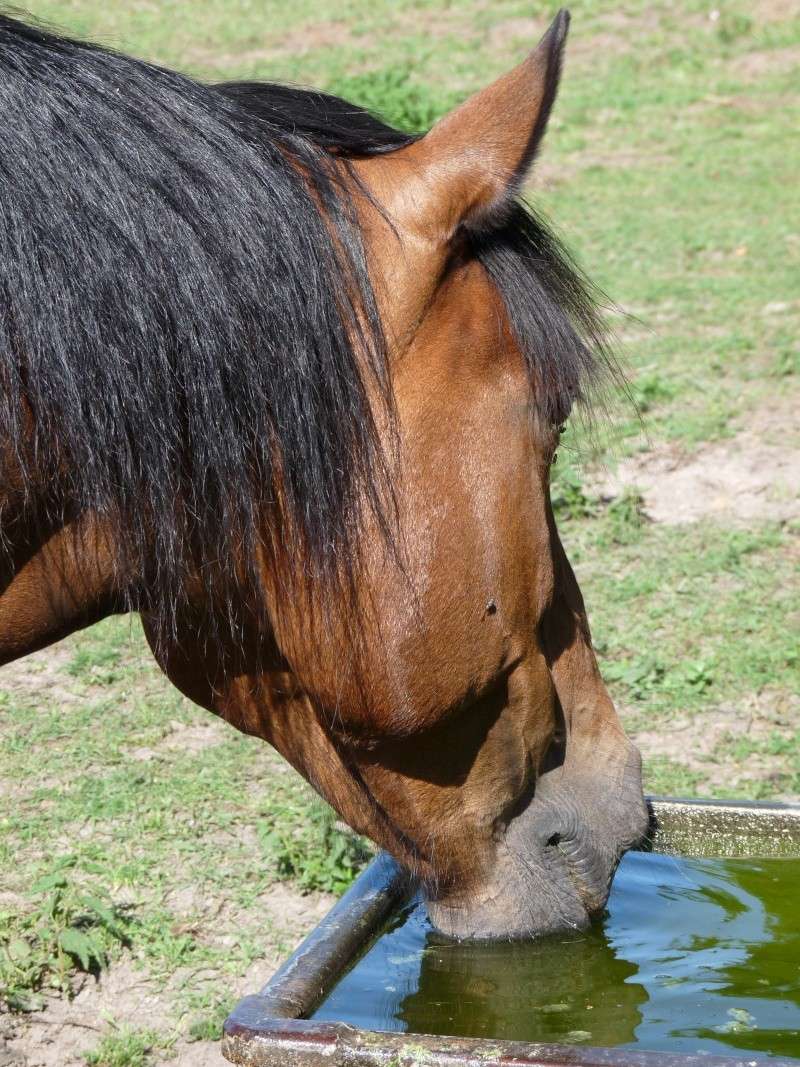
469,167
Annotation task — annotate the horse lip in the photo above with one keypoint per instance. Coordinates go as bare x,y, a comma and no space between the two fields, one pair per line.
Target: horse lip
513,907
555,858
589,871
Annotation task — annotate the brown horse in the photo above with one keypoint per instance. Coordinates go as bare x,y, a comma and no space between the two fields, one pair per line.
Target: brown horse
290,384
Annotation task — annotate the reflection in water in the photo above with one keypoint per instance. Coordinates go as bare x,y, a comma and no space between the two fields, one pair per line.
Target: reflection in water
692,956
572,984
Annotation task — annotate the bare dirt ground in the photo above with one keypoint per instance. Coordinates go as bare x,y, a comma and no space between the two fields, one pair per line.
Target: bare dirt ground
752,476
703,744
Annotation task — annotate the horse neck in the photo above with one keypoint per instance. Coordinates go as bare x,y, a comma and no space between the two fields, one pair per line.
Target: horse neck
53,582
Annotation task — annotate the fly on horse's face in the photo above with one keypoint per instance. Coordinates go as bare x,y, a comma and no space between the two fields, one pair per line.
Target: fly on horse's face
449,704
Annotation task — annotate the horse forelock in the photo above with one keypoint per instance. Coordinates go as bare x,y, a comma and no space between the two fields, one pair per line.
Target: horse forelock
186,311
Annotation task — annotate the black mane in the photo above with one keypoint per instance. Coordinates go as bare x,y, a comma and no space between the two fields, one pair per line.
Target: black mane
180,313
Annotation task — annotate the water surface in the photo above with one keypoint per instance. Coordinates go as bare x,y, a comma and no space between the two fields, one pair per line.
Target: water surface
692,956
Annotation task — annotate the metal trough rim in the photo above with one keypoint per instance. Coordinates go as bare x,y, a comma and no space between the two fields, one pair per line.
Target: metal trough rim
271,1028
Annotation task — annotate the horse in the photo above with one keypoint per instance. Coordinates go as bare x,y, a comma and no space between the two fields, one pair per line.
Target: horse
289,382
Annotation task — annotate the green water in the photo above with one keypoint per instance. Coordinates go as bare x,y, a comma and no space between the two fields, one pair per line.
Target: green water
692,956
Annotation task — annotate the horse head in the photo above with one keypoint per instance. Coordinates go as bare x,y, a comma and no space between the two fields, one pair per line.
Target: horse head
435,680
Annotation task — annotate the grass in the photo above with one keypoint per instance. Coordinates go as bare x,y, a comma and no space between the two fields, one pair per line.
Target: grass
693,621
671,166
66,930
137,805
125,1047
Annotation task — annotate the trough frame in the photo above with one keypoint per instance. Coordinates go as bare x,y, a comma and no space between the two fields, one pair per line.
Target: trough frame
272,1029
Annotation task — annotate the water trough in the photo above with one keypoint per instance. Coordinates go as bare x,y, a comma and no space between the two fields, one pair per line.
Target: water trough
273,1028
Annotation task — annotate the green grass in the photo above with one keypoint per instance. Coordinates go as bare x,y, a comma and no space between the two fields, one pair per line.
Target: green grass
132,817
125,1047
671,167
67,929
692,619
685,617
